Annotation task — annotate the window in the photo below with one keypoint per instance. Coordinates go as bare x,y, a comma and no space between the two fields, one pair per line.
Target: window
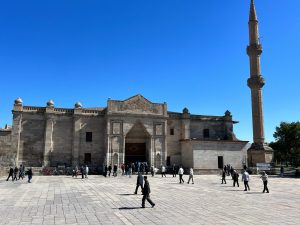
87,158
89,136
206,133
172,131
220,162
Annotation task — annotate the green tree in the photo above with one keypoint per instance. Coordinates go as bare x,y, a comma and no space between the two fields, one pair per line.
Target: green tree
287,143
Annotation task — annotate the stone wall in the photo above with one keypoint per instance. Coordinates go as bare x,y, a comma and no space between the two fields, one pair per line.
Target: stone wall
206,154
7,158
31,148
217,129
173,141
97,148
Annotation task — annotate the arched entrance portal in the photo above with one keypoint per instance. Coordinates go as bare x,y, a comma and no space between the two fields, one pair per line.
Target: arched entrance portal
137,145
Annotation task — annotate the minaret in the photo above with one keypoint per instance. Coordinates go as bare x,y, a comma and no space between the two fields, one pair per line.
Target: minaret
259,152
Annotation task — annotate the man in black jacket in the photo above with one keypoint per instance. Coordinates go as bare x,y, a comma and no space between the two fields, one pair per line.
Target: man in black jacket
11,174
146,193
139,183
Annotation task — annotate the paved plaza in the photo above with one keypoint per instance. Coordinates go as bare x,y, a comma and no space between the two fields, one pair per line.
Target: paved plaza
99,200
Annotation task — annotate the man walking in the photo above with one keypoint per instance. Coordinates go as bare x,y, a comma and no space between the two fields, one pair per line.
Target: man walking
264,178
163,171
82,172
10,174
139,183
16,170
191,176
146,193
109,170
86,171
235,177
180,172
174,170
224,176
29,173
246,179
115,170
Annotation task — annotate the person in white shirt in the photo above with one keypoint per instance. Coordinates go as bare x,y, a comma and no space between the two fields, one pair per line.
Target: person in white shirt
180,173
191,177
163,171
246,179
86,171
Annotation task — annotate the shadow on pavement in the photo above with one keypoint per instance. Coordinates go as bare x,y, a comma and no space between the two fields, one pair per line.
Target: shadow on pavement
254,193
126,194
234,190
128,208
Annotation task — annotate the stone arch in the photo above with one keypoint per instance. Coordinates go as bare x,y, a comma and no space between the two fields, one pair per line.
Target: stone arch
137,144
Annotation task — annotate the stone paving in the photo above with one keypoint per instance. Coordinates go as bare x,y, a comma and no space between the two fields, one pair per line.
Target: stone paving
99,200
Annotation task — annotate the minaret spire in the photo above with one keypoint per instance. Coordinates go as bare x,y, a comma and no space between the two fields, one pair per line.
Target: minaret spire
256,83
252,15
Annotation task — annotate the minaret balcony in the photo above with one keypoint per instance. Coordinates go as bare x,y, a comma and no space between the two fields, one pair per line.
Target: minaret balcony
254,49
256,82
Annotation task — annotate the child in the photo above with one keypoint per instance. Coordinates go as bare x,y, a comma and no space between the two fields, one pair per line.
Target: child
264,178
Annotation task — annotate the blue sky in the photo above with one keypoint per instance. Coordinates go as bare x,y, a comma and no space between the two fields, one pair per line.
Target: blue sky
187,53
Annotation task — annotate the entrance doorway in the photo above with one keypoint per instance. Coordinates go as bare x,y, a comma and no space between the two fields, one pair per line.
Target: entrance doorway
137,144
135,152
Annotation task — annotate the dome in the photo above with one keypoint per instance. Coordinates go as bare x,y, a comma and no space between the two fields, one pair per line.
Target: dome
227,113
18,101
185,110
78,105
50,103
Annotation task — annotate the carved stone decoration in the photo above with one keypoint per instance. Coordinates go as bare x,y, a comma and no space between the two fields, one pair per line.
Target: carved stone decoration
115,144
137,105
116,128
158,129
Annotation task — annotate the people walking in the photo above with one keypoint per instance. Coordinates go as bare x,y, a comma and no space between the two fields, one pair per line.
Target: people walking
21,172
129,171
235,178
109,170
10,174
82,172
180,173
163,171
30,174
139,183
246,179
105,170
174,170
86,171
224,176
191,176
264,178
115,170
152,171
123,169
146,193
16,170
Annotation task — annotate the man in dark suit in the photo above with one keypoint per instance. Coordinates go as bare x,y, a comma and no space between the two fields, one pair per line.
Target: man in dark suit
146,193
139,183
11,174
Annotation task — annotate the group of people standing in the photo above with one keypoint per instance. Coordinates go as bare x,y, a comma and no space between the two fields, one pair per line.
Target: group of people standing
245,178
129,169
84,170
18,173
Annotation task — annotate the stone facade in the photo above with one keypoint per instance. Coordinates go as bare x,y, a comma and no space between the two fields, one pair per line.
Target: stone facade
125,131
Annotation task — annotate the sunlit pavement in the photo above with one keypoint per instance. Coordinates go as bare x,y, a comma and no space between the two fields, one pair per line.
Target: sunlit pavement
99,200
